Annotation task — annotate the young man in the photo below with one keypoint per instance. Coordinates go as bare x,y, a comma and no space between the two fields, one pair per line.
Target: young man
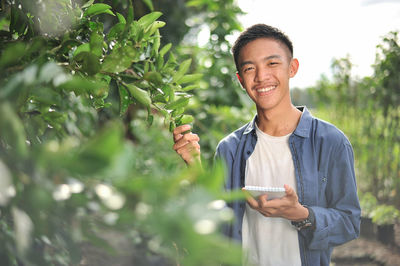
283,146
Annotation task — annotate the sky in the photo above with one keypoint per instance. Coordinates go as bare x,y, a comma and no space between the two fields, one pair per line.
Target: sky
325,29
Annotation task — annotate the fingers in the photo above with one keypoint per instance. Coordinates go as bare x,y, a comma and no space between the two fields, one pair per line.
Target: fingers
189,150
290,193
288,189
265,206
250,200
186,144
260,204
263,201
178,131
186,139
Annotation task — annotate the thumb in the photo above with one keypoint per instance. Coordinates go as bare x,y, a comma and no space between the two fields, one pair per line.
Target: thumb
289,190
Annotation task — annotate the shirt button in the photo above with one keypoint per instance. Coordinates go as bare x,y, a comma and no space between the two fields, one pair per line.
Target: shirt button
248,152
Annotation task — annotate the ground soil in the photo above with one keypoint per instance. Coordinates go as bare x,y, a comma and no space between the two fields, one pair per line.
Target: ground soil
365,252
362,251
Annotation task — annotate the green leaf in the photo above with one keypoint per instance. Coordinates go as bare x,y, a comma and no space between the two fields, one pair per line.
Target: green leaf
115,31
186,119
148,19
82,48
150,118
195,3
181,102
12,131
189,78
12,54
140,95
98,152
171,126
67,45
136,31
165,49
149,4
177,111
96,44
144,84
156,44
159,98
119,60
130,15
87,4
18,21
13,87
101,92
80,85
146,66
183,68
97,9
190,87
159,62
153,77
124,100
171,63
90,62
47,96
121,18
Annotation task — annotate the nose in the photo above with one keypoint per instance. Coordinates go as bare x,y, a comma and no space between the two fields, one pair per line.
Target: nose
262,74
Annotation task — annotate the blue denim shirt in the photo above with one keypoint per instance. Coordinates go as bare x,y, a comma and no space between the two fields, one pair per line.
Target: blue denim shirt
324,169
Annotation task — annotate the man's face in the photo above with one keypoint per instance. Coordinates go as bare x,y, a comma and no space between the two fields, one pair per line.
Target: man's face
265,67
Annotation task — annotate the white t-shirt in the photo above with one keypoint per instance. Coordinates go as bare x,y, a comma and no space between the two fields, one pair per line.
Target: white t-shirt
267,240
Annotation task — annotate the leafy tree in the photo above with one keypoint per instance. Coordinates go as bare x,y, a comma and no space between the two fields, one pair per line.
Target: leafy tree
386,92
368,112
383,121
77,159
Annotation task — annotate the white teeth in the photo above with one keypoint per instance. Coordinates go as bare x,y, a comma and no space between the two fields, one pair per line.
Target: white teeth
266,89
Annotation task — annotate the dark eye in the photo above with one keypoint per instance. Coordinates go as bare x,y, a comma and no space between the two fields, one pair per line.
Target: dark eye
248,69
273,63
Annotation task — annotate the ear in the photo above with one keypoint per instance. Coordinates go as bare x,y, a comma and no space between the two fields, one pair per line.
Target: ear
239,78
294,67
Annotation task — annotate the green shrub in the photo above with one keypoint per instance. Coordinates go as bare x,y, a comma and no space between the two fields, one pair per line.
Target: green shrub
385,214
77,156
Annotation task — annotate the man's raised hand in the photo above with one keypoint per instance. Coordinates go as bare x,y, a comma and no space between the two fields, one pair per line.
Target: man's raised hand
187,144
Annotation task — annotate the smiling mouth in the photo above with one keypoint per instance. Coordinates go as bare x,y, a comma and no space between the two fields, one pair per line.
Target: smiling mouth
266,89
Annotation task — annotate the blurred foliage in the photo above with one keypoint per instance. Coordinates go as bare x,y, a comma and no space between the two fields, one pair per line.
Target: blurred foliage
385,215
81,83
368,112
368,203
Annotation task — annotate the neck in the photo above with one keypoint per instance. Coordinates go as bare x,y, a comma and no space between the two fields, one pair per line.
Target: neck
278,122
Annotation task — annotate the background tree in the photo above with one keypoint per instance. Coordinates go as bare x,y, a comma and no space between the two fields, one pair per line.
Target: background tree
368,112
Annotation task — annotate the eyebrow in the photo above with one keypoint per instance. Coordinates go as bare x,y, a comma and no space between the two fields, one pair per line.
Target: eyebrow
264,59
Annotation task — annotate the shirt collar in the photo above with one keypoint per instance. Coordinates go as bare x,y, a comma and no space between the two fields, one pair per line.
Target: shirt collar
302,129
251,127
304,126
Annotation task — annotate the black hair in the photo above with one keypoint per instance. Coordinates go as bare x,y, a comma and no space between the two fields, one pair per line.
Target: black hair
259,31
